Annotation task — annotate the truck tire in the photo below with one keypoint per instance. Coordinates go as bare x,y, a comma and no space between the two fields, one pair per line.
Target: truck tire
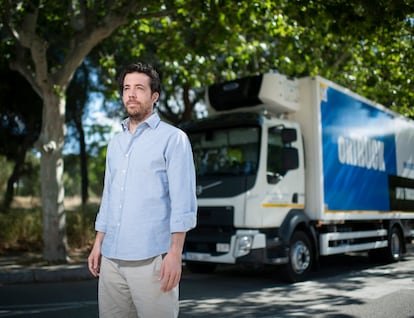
301,258
200,268
393,252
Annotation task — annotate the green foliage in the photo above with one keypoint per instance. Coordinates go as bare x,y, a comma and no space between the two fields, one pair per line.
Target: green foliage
96,171
200,43
29,183
5,171
72,175
81,226
21,230
363,45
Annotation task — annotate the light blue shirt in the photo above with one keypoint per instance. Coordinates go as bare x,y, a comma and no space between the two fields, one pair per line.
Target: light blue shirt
149,190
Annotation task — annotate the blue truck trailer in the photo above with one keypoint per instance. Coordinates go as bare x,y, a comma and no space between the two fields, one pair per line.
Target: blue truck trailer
289,170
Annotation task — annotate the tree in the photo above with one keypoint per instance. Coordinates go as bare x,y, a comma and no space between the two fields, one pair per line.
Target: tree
50,41
209,42
363,45
219,40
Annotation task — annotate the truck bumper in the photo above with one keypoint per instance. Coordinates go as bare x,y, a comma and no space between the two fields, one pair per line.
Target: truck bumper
274,253
245,247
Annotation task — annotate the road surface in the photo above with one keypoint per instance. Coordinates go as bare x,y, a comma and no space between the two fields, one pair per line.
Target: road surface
344,287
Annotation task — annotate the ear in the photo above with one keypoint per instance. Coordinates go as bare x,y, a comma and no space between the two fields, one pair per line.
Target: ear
155,97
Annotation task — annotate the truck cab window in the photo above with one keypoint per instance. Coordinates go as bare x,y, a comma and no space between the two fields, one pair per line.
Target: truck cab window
232,151
275,169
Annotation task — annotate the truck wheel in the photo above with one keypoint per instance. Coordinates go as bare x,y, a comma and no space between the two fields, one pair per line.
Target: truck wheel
301,258
391,253
200,268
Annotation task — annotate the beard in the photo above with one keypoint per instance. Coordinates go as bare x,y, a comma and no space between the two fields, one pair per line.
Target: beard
138,112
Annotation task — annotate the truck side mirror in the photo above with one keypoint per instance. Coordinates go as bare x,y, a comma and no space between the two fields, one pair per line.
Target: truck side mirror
290,158
288,135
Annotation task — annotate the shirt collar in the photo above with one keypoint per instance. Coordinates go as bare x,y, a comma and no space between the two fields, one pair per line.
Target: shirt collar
152,121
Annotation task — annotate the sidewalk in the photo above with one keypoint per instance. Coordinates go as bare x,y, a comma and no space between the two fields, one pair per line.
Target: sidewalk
19,269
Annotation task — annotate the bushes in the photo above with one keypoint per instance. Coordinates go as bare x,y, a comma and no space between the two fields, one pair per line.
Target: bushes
21,228
80,226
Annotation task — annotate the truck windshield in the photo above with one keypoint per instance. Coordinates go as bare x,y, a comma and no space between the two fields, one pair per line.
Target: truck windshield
232,151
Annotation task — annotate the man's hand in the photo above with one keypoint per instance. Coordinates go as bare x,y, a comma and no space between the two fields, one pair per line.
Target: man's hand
171,268
94,259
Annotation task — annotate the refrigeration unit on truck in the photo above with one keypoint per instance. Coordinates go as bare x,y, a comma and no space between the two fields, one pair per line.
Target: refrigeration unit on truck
289,170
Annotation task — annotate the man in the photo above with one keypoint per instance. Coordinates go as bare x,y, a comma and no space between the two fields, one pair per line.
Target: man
148,205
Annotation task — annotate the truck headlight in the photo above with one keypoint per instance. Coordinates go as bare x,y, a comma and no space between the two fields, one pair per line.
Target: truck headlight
243,245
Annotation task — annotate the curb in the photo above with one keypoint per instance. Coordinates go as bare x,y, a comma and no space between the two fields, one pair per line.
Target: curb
45,274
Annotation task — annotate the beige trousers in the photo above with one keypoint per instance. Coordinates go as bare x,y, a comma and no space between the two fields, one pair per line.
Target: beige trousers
132,289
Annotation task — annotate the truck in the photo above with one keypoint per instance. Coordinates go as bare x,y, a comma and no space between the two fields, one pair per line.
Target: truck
290,170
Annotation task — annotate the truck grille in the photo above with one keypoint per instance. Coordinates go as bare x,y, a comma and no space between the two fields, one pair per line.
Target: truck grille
214,225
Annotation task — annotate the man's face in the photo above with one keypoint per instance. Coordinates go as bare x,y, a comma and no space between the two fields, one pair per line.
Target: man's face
137,97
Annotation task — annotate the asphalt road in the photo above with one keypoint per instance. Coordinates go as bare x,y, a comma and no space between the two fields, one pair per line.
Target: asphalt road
344,287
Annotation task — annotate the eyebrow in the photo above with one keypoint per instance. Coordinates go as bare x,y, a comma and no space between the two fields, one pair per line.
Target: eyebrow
136,85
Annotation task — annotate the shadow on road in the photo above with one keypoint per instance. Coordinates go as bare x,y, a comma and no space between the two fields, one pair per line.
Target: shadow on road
341,281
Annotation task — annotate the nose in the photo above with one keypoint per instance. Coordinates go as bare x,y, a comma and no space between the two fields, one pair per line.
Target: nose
132,93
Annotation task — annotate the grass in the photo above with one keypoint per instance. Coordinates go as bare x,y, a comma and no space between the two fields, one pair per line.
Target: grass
22,227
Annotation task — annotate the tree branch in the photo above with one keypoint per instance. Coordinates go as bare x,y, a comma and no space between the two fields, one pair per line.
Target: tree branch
91,34
27,38
21,66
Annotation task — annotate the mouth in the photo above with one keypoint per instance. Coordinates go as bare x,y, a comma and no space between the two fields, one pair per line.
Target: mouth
132,104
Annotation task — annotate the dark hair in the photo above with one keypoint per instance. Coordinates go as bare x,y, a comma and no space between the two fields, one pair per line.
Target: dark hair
155,82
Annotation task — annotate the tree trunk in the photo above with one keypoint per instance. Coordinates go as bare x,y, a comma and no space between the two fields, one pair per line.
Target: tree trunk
14,177
83,160
51,173
188,106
